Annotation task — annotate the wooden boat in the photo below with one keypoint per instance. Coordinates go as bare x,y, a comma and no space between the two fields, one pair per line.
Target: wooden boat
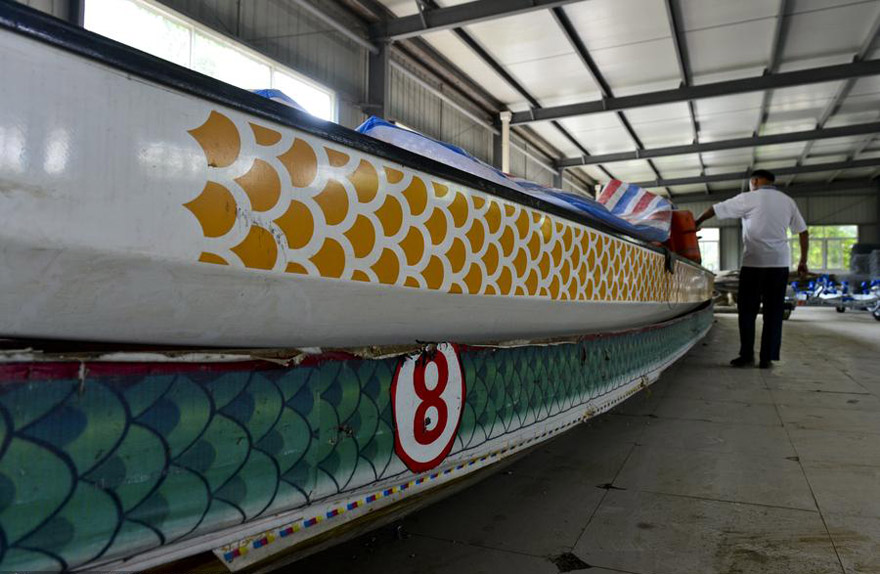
142,203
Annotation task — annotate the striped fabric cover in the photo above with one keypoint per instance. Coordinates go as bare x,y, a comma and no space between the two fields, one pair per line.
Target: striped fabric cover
637,206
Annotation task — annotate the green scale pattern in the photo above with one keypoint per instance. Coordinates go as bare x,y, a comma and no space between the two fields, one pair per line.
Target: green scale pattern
124,462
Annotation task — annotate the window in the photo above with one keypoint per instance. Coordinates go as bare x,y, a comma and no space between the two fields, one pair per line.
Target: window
147,26
708,238
830,247
224,62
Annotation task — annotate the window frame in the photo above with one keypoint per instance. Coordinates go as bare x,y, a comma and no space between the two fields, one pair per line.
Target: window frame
823,240
716,241
194,27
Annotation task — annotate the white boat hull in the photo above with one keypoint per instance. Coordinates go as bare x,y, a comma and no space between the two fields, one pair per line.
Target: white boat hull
131,212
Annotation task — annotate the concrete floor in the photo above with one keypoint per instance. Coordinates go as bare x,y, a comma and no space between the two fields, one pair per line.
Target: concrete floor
713,470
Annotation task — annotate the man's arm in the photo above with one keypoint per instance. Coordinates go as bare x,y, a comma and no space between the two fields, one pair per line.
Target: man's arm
708,214
804,237
799,226
733,208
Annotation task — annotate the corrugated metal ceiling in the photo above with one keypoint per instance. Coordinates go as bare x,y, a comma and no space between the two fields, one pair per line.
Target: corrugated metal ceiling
633,45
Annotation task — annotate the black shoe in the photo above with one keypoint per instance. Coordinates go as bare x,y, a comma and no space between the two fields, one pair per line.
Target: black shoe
765,365
742,362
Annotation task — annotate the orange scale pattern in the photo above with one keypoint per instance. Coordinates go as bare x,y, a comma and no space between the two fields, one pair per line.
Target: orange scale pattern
304,207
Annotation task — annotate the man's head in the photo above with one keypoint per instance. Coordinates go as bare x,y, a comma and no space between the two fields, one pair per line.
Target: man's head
760,178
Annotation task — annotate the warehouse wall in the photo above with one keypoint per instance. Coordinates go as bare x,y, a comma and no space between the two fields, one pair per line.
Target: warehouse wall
836,209
524,166
57,8
730,246
832,209
420,109
839,209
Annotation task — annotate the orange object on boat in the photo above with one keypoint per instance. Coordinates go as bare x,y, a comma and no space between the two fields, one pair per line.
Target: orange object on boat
683,236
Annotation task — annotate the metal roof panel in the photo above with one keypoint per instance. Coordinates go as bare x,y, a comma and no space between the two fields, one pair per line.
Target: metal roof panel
700,14
569,77
731,47
638,64
521,38
688,189
820,28
448,44
599,22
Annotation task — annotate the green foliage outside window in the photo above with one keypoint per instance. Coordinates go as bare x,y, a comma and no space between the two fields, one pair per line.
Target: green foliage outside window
830,247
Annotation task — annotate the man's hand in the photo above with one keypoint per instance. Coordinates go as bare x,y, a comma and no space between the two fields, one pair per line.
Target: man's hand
802,269
708,214
804,238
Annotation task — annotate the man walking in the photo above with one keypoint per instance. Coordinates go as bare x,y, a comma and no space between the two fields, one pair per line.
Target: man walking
766,214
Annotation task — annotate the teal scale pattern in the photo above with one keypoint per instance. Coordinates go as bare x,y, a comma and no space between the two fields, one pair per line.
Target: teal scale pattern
130,460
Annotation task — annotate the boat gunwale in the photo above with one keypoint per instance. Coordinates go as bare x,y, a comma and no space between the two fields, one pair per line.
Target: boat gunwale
66,363
31,23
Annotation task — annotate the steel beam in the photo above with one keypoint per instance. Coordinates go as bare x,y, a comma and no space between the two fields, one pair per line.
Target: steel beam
845,88
76,12
383,13
720,145
780,32
429,5
436,18
580,49
490,61
336,25
379,81
673,14
736,175
444,97
488,125
543,162
854,155
844,187
579,185
713,90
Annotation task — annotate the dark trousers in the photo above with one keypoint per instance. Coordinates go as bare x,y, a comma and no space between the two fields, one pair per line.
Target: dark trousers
761,285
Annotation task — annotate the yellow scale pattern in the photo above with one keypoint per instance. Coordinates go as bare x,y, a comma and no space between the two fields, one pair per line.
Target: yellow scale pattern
312,208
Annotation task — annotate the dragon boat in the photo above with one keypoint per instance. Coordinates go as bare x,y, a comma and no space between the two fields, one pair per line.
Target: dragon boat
232,328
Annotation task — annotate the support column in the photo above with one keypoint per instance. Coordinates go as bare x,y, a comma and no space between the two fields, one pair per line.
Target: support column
505,141
379,81
557,178
870,233
730,246
76,12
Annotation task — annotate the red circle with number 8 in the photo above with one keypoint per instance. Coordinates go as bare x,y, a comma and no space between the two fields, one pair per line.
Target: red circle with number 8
427,397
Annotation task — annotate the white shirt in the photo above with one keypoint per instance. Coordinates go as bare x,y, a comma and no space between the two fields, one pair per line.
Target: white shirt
766,215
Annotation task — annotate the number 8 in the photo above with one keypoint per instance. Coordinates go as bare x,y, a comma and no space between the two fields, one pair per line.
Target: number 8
427,396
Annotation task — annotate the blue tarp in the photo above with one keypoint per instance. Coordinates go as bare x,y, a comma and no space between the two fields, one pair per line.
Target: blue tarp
280,97
459,158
